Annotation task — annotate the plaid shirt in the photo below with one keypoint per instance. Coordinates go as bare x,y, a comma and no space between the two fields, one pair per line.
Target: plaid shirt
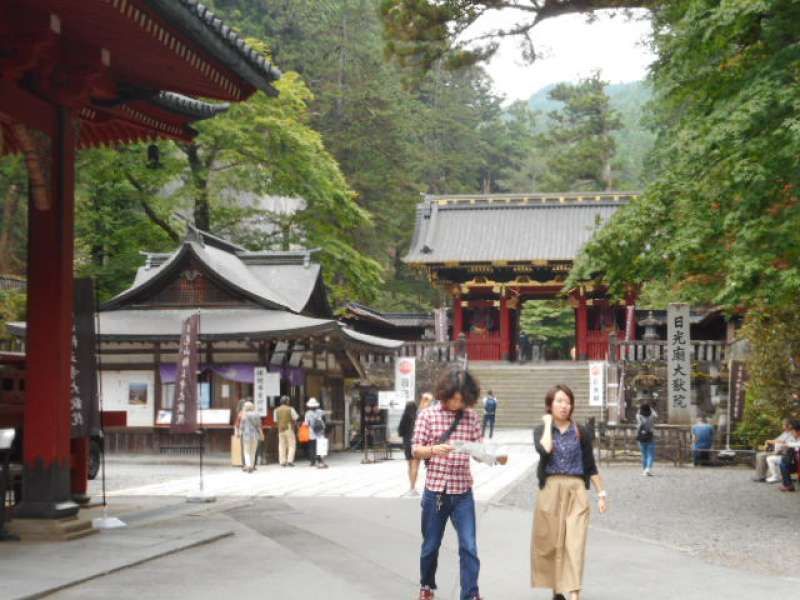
449,473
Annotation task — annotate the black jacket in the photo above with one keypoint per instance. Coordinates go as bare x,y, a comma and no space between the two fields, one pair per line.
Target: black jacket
589,465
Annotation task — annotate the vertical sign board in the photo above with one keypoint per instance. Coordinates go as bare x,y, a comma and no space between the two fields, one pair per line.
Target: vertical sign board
84,408
260,390
440,324
597,371
184,407
405,378
736,389
679,361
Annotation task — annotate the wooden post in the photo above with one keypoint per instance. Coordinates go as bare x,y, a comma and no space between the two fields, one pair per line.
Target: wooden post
505,329
582,328
458,317
46,452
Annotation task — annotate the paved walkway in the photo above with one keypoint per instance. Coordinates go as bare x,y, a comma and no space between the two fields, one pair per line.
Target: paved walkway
347,477
367,548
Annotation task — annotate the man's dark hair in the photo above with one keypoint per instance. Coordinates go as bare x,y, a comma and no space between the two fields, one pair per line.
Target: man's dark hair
645,410
490,393
284,399
457,381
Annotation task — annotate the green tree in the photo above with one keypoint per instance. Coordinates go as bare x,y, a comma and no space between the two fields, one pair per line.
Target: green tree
579,144
13,215
551,322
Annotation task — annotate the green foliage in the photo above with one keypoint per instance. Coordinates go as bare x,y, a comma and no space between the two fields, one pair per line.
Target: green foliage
774,366
720,224
12,308
579,143
549,321
13,215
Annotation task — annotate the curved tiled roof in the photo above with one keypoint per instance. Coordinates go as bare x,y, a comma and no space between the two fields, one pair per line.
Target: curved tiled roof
221,41
509,227
185,105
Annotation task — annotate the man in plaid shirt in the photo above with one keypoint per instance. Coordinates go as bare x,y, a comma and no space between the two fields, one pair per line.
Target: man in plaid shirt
448,484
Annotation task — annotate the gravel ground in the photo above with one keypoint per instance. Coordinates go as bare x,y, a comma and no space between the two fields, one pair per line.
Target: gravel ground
717,514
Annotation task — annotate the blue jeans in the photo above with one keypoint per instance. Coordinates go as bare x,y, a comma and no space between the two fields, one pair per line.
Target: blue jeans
788,466
648,454
488,419
460,509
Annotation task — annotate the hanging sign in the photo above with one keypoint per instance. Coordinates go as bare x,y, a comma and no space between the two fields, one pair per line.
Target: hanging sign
679,356
184,413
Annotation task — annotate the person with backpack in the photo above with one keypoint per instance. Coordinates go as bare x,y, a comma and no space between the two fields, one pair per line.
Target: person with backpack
489,411
645,425
317,447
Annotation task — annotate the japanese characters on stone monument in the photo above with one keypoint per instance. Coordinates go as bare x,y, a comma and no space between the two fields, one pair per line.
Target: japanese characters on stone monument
184,408
679,359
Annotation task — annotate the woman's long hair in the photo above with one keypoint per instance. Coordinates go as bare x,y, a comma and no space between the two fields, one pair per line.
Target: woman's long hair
410,412
456,380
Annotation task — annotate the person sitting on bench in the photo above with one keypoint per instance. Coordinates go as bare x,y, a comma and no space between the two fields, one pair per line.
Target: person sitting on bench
702,440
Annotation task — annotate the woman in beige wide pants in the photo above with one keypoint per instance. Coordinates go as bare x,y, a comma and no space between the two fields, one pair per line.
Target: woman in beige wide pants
561,519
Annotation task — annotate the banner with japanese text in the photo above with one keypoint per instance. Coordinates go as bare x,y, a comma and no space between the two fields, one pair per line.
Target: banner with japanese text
84,406
679,357
737,389
184,407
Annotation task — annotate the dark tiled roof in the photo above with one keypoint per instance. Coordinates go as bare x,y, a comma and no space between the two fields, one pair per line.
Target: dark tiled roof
509,227
391,319
221,41
196,109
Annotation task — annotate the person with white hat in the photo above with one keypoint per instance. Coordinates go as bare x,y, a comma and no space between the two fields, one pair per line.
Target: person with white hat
317,447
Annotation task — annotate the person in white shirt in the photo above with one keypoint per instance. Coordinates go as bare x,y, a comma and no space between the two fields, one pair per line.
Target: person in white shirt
768,462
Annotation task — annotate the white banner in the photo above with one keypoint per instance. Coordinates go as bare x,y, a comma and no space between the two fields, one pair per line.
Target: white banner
266,385
597,371
405,381
679,357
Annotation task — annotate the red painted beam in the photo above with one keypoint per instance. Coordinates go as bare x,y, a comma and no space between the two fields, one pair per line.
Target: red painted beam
46,449
19,105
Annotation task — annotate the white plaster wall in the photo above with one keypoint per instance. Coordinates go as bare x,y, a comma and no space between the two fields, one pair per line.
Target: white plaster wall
115,395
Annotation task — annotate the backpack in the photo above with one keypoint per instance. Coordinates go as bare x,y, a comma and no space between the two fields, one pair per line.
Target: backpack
491,405
318,426
644,434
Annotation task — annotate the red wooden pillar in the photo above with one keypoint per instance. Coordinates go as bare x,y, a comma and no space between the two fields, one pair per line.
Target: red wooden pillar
458,318
505,329
46,450
582,328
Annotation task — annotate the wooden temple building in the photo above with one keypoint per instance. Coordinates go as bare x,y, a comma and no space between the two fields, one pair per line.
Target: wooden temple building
78,75
257,309
491,253
410,327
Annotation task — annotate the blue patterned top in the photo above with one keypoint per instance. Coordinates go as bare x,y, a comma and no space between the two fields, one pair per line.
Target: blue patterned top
567,458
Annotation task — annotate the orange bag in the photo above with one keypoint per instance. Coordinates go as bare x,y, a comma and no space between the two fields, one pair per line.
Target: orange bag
304,434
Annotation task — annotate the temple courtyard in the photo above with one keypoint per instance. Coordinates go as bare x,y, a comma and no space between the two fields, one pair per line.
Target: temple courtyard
350,532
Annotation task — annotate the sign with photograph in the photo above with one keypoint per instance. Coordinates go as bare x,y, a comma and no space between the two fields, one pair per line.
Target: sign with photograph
597,371
184,413
679,357
137,394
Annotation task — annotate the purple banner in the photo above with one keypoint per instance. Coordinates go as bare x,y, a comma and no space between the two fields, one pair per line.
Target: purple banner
184,407
737,389
239,372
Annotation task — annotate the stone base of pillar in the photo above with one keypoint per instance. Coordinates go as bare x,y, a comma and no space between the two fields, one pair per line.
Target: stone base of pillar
51,530
46,492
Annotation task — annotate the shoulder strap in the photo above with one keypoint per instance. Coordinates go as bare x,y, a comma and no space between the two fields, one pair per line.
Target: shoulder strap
446,435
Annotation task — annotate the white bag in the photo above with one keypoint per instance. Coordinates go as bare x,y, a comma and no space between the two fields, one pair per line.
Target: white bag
322,447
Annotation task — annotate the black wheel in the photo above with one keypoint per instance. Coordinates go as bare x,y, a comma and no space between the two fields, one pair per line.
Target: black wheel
94,459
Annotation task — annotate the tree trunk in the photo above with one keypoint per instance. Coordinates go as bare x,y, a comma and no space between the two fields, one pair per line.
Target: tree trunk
202,210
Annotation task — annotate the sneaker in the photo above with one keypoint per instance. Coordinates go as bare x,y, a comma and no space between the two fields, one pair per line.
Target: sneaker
322,466
759,479
289,464
649,473
644,472
559,597
425,593
786,488
772,479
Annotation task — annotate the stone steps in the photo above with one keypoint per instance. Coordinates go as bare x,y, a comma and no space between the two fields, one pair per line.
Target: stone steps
521,389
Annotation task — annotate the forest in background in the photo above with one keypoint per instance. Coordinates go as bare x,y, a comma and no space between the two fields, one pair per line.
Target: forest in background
353,134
